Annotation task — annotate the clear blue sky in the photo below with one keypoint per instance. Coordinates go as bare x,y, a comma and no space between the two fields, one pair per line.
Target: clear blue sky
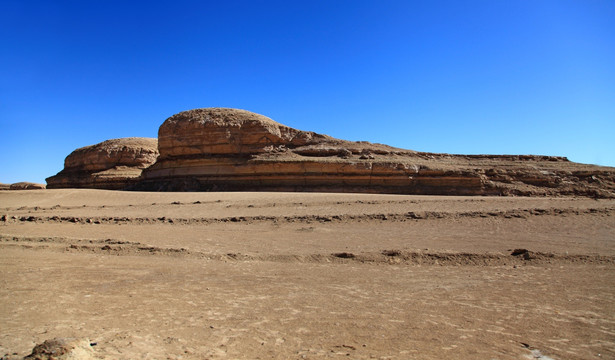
498,77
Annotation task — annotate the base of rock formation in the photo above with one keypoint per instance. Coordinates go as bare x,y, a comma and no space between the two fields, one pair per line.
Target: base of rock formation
426,174
112,164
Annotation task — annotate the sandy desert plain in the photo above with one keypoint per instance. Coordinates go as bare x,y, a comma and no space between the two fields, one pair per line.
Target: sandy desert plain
143,275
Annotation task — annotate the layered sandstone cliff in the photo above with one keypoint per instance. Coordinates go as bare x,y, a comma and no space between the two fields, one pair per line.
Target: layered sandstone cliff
111,164
229,149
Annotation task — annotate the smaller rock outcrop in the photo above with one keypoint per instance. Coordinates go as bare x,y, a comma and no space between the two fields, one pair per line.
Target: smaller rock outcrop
5,186
62,349
112,164
25,185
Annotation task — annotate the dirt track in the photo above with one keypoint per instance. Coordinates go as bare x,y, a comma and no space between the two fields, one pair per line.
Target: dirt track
295,275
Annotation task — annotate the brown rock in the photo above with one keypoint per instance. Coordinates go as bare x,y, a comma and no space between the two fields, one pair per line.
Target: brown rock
111,164
62,349
220,131
5,186
24,185
230,149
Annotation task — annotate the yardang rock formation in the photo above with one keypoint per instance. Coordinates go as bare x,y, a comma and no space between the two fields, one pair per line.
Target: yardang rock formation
112,164
26,185
220,149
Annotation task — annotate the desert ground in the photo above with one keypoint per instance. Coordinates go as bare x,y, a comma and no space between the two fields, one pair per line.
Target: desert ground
142,275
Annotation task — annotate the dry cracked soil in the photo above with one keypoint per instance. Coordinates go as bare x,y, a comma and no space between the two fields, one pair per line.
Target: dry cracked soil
140,275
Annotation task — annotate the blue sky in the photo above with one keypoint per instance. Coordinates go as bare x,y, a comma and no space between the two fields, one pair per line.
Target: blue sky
465,77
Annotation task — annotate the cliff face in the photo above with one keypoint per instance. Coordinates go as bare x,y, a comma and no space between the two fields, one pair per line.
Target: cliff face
229,149
111,164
